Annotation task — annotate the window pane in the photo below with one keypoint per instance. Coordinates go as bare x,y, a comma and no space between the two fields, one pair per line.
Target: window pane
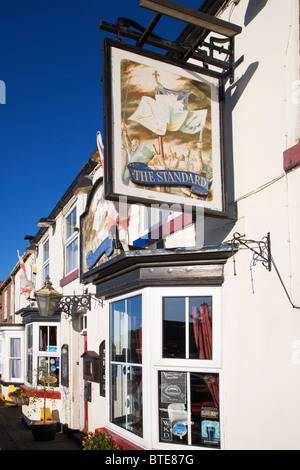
173,416
174,327
118,332
72,255
46,251
200,328
134,400
15,347
191,416
205,410
126,398
15,365
46,272
48,366
43,338
118,395
134,309
71,223
52,338
29,354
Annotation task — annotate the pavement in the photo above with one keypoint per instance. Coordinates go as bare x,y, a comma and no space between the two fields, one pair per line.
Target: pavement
15,434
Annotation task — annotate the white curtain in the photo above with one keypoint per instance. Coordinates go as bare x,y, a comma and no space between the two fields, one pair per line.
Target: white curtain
15,357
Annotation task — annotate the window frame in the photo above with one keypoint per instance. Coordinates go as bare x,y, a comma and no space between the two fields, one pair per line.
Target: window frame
187,292
36,353
15,358
153,362
71,239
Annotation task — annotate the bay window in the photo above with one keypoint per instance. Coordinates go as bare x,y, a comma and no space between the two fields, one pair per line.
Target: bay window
42,352
164,387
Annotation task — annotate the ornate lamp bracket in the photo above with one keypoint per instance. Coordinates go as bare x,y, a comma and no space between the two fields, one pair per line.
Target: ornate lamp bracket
68,302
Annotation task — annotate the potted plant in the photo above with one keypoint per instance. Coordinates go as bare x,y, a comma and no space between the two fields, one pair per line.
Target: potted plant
44,430
100,440
20,396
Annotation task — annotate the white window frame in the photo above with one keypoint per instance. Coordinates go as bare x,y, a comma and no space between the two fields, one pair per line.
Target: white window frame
153,362
37,353
70,240
6,357
16,358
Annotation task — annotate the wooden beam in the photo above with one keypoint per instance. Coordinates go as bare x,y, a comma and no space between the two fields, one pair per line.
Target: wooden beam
191,16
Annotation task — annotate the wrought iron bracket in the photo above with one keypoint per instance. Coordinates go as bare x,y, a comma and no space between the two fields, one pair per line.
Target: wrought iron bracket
200,50
69,302
261,249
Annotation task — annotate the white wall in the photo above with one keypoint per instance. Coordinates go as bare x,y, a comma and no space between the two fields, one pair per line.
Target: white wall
261,380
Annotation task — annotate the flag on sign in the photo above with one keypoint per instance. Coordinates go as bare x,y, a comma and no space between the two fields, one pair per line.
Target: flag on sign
118,214
26,285
100,148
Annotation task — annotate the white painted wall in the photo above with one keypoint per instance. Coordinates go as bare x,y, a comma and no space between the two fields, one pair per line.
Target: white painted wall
261,380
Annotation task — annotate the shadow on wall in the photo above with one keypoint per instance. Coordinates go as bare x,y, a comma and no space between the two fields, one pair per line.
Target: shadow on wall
236,90
254,7
216,230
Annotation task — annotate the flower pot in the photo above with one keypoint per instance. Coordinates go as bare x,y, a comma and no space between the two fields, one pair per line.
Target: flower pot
20,400
44,431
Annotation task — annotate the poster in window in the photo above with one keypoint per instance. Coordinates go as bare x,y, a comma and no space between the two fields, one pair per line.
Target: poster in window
173,387
163,127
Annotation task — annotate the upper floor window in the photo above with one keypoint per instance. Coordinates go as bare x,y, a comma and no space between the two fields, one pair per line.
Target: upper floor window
71,241
5,305
46,260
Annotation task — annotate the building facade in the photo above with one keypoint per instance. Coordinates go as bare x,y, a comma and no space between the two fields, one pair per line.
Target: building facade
190,340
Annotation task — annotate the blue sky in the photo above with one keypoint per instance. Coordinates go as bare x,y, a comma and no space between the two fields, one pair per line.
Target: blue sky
50,62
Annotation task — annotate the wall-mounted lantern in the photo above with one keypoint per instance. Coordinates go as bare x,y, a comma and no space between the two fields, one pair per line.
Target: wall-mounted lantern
50,301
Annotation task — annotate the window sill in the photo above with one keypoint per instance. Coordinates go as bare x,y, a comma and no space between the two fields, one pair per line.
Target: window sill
69,278
127,445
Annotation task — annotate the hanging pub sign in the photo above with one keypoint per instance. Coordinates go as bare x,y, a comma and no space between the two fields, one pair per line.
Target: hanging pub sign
163,128
98,243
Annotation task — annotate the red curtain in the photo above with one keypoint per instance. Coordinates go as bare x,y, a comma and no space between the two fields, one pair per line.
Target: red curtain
202,324
213,386
138,338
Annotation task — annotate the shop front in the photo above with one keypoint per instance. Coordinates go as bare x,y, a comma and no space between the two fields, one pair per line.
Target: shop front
163,357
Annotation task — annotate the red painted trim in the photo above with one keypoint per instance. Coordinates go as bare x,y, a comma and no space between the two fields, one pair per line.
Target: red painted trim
291,157
127,445
40,394
69,278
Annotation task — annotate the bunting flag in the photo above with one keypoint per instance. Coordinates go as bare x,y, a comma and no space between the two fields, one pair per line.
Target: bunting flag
26,285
